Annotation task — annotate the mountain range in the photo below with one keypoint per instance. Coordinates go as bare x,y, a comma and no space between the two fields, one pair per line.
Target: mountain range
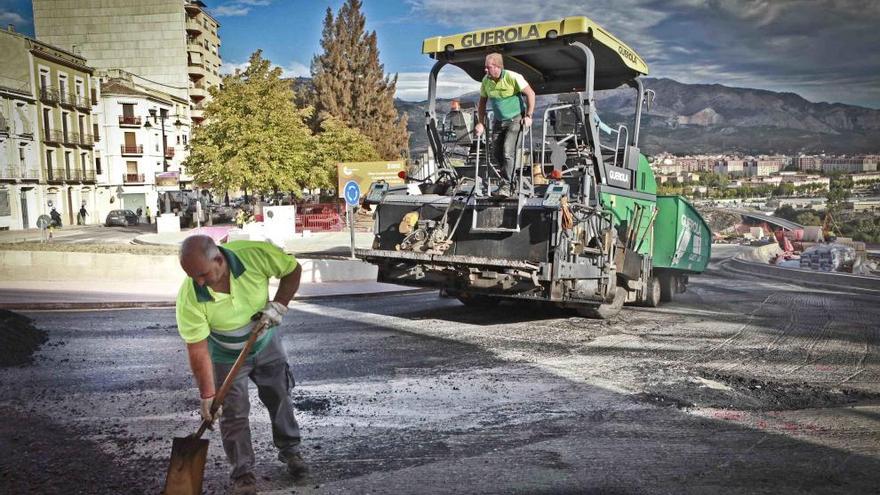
712,118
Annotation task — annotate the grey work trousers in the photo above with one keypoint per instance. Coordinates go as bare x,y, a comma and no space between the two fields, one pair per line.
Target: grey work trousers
505,144
271,373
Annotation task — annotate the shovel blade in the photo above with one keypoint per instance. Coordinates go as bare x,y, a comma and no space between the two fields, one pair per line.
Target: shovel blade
186,471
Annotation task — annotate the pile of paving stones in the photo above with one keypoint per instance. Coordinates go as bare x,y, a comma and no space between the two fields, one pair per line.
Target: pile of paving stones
19,339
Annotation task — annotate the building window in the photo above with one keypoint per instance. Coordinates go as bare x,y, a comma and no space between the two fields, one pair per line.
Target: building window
47,120
95,134
50,171
67,163
21,160
97,165
4,203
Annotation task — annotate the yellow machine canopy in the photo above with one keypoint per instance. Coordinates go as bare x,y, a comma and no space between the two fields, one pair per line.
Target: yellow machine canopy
543,53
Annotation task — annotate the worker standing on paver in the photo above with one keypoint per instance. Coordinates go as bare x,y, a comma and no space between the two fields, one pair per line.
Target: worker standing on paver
225,286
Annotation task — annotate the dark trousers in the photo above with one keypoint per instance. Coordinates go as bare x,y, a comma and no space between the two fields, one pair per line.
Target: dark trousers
505,144
271,373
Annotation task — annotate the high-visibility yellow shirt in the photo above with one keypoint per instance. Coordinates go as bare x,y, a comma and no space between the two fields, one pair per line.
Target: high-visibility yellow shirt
225,319
504,94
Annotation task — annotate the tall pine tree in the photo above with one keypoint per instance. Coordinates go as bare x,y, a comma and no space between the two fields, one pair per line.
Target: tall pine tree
350,83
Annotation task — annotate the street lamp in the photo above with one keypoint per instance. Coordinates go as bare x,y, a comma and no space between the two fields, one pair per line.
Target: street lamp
147,125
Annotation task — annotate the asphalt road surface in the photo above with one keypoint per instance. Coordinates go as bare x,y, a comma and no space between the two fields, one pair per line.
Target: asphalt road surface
739,386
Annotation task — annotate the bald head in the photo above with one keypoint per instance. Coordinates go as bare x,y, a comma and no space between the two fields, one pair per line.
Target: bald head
199,246
202,260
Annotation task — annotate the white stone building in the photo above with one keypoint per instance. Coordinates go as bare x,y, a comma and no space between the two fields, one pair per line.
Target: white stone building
136,162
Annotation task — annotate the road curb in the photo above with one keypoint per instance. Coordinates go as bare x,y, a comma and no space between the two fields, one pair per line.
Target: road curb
823,280
99,305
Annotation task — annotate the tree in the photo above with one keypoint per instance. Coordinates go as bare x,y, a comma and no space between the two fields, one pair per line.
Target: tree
338,143
349,82
254,138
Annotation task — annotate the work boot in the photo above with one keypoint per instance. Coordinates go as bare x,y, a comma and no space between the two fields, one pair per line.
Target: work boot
503,191
296,466
245,484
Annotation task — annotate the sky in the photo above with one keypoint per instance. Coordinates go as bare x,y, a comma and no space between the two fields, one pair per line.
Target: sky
823,50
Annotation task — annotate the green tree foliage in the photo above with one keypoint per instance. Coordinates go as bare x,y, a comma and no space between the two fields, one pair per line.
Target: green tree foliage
838,192
254,138
349,82
338,143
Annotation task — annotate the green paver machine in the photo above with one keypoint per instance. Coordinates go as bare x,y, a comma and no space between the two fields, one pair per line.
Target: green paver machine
584,229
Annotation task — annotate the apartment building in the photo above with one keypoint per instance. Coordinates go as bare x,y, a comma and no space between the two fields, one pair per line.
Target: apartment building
809,163
764,166
144,133
850,164
174,45
730,166
46,140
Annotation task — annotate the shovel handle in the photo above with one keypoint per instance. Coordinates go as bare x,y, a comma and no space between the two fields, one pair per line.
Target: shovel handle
230,378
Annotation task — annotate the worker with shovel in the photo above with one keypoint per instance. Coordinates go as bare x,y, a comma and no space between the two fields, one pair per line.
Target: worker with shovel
226,286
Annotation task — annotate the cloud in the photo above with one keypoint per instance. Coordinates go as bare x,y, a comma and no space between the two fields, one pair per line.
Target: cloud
292,69
11,18
803,46
238,8
296,69
451,82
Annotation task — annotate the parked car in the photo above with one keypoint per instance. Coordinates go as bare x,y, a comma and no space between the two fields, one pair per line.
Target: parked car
122,218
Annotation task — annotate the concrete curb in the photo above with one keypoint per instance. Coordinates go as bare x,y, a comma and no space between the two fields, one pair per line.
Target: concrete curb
97,305
834,281
126,267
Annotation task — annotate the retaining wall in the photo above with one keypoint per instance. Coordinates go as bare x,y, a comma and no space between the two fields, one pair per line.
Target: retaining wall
123,267
754,262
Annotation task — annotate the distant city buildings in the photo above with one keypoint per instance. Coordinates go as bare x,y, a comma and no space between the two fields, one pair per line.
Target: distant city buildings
173,45
47,138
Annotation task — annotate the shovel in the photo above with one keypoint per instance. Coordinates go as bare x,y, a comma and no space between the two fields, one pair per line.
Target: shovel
186,470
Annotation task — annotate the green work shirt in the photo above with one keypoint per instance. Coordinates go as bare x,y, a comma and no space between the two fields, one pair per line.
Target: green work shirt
504,94
225,319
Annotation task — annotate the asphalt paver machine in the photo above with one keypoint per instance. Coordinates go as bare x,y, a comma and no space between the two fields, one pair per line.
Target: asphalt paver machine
584,227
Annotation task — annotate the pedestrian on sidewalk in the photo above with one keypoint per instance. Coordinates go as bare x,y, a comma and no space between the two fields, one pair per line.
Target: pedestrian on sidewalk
215,327
140,213
81,220
148,216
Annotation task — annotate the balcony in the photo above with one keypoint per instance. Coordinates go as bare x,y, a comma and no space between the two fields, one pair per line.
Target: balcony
54,175
9,173
83,102
71,138
88,175
66,99
75,175
4,130
135,150
53,136
193,26
48,95
196,70
129,121
133,178
86,140
198,91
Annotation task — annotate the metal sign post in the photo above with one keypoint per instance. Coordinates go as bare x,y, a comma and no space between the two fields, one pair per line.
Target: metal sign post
352,194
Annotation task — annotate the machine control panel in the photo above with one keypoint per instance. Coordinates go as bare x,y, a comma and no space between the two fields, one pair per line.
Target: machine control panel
554,194
377,191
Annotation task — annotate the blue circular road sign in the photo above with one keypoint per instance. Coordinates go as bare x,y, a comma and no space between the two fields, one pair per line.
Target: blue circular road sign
352,193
